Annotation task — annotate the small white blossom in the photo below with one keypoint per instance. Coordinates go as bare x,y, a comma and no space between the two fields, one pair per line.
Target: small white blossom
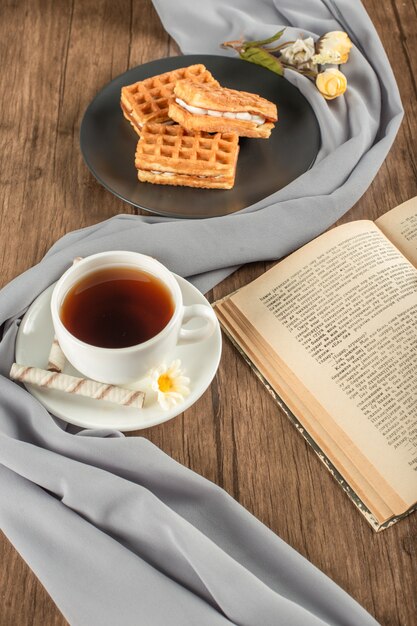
169,383
298,53
328,57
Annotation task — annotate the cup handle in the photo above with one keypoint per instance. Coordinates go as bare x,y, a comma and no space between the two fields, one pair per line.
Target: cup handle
197,334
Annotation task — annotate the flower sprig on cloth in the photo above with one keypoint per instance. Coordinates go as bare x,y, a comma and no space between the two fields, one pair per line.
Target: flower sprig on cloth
316,60
169,383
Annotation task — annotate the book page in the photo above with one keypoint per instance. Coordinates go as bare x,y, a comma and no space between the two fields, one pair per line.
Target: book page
328,440
341,313
400,226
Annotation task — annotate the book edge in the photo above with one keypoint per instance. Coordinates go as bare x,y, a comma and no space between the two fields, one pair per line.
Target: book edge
354,498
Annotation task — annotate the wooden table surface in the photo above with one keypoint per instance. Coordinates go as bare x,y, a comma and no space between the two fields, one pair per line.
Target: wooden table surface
55,57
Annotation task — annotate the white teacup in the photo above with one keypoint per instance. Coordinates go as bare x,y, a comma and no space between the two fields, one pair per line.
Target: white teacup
125,365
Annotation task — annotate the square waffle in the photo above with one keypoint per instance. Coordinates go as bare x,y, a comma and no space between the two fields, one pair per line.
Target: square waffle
148,100
171,155
212,108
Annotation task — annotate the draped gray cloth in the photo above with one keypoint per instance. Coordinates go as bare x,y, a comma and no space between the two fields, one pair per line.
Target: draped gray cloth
118,532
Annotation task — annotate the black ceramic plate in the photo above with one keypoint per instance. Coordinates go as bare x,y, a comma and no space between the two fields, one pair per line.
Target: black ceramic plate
108,142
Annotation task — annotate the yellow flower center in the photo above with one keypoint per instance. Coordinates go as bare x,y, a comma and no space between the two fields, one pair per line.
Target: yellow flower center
165,383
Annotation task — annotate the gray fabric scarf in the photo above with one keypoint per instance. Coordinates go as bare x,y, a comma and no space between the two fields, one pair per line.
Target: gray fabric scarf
117,531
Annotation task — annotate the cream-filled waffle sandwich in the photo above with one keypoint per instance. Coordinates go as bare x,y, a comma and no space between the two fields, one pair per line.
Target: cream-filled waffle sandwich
148,100
171,155
211,108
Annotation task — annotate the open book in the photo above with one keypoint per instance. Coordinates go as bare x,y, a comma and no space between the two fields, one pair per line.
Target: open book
332,332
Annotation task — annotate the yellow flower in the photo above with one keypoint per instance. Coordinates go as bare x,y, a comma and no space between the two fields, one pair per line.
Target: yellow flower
331,83
333,47
170,384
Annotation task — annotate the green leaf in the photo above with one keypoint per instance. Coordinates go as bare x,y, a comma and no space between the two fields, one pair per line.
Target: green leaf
264,42
259,56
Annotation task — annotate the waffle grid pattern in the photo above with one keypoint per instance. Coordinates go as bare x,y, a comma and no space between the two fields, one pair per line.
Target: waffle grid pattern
174,142
150,97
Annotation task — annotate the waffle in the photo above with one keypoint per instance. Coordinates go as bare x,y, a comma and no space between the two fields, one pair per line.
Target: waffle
211,108
148,100
171,155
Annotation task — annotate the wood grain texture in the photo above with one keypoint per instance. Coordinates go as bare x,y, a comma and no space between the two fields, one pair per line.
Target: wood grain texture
55,57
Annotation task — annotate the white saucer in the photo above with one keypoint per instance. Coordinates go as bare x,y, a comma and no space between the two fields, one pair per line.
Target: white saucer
200,362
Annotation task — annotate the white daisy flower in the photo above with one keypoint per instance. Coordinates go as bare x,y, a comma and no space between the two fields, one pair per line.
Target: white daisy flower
169,383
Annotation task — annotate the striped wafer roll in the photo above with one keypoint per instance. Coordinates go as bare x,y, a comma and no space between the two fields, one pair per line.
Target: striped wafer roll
77,386
56,359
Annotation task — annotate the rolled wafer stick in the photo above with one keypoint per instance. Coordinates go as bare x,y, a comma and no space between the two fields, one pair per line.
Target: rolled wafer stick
77,386
57,359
